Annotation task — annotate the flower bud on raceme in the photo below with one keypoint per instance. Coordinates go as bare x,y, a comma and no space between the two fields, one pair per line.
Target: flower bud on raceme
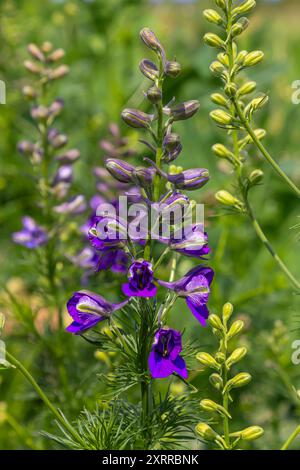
136,118
25,147
40,113
222,152
29,92
207,360
236,356
56,55
172,68
47,47
59,72
213,40
215,322
251,433
247,88
221,117
256,177
216,381
149,69
239,27
227,312
36,52
230,89
31,67
150,40
70,156
235,329
252,58
223,58
212,407
219,99
245,7
144,177
183,111
224,197
206,432
217,68
212,16
239,380
221,4
120,170
154,94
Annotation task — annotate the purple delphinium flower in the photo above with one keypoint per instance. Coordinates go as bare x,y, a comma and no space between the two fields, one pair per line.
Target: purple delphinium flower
140,276
87,309
193,243
195,288
164,358
107,232
32,235
115,260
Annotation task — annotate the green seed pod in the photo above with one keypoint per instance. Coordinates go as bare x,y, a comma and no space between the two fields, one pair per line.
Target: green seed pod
215,322
213,40
245,7
206,432
256,177
240,380
237,355
221,117
154,94
247,88
216,381
252,433
224,197
227,312
221,4
222,152
239,27
253,58
172,68
217,68
212,16
219,99
207,360
235,329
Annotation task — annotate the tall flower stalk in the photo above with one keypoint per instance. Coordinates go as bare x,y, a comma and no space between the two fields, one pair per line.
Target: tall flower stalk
236,112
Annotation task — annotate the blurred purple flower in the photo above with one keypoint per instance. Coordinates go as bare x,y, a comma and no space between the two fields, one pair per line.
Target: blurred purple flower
76,205
164,358
32,235
140,276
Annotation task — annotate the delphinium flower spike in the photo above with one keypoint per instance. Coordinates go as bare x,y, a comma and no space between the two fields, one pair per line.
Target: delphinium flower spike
236,111
225,383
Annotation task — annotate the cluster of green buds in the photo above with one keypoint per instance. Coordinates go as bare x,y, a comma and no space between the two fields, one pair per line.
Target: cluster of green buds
225,382
236,104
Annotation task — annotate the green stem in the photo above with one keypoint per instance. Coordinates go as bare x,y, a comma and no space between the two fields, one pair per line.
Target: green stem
292,437
65,424
263,150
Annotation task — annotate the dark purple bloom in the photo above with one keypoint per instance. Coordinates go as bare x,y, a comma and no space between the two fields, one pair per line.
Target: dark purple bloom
32,235
189,180
87,309
195,288
164,358
106,233
140,276
116,260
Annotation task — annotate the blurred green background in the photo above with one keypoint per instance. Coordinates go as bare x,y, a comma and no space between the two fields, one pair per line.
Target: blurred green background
103,51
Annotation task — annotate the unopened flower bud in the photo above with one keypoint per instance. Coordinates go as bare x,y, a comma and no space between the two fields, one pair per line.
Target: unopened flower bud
59,72
136,118
239,27
221,117
149,38
236,356
31,67
253,58
240,380
172,68
207,360
245,7
149,69
212,16
183,111
235,329
230,89
217,68
29,92
251,433
36,52
222,152
206,432
57,55
215,322
40,113
216,381
212,407
220,357
227,312
70,156
154,94
221,4
120,170
219,99
247,88
47,47
25,147
223,58
258,103
144,177
213,40
224,197
256,177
